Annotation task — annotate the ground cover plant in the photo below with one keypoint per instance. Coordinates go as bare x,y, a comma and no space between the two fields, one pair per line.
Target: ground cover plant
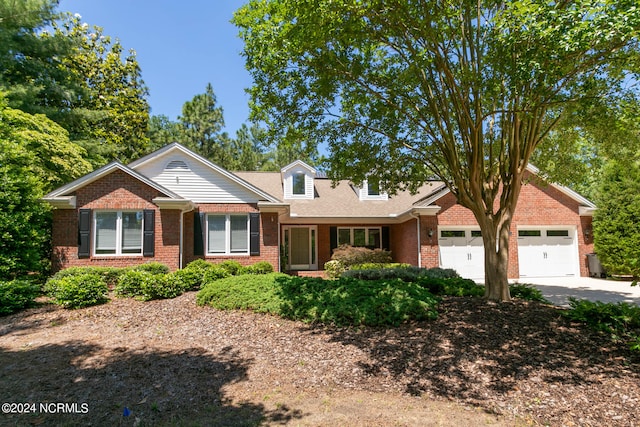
619,321
344,301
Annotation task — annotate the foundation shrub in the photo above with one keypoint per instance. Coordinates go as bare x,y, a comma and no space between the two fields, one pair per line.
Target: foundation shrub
77,290
145,286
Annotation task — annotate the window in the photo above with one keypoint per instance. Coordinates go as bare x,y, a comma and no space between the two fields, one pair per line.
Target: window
118,233
360,236
529,233
298,184
558,233
227,234
452,233
373,188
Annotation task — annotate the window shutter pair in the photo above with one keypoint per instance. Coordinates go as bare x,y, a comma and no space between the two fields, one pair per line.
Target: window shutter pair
84,233
200,226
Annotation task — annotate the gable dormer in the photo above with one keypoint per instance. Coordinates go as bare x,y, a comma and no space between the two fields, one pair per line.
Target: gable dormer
297,178
370,190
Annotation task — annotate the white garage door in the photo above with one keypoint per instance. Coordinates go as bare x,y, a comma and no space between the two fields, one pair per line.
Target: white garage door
463,250
550,252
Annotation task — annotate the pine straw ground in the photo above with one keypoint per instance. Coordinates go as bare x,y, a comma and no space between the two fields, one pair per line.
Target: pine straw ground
173,363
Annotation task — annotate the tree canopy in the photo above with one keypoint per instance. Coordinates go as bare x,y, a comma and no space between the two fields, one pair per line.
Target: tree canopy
463,91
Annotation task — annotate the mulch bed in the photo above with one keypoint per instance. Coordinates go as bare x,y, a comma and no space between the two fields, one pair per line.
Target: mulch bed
173,362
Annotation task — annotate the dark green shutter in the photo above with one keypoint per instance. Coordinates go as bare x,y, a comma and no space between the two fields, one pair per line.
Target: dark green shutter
149,233
254,233
198,233
84,233
385,238
333,238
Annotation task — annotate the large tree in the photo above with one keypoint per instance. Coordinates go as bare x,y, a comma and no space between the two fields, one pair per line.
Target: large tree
461,90
35,156
110,118
202,121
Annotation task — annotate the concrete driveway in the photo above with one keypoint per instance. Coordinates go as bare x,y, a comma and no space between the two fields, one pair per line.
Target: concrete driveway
559,289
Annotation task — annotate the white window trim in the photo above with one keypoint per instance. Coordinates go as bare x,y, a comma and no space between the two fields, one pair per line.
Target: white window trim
118,252
364,193
366,235
227,234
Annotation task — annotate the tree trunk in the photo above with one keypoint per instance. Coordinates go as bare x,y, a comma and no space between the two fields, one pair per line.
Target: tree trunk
496,261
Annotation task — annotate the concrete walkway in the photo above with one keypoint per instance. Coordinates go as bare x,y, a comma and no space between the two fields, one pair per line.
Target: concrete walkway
559,289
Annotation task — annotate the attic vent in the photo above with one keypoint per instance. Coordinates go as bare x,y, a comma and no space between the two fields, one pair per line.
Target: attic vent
177,165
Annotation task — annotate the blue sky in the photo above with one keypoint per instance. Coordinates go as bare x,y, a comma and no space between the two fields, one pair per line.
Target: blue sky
181,46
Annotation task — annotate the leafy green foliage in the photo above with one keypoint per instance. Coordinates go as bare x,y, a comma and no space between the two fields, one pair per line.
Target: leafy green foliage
407,273
231,266
621,321
77,291
346,257
110,275
527,292
16,295
34,152
339,302
153,268
145,285
616,229
452,286
463,91
260,267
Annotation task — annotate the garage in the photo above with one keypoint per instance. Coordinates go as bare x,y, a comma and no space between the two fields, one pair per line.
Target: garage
462,249
547,252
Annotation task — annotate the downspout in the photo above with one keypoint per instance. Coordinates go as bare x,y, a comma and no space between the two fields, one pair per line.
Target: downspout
417,217
181,240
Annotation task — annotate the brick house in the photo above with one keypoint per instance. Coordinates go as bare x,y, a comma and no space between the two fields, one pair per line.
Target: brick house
174,206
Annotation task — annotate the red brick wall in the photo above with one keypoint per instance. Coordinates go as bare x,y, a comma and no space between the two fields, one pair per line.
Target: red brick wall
269,249
119,190
538,205
403,239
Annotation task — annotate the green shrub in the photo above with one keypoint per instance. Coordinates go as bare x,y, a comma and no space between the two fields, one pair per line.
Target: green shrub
110,275
78,290
260,267
352,255
404,272
454,286
334,268
16,295
313,300
621,321
190,279
527,292
232,267
153,268
214,273
146,286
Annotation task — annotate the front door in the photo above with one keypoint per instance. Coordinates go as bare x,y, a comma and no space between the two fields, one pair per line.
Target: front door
301,242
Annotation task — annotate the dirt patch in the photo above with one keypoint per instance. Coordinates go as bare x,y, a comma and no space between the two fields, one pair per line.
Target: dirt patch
171,362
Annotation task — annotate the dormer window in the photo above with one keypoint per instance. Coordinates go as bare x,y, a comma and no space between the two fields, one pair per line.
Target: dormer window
298,182
373,188
297,179
370,190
